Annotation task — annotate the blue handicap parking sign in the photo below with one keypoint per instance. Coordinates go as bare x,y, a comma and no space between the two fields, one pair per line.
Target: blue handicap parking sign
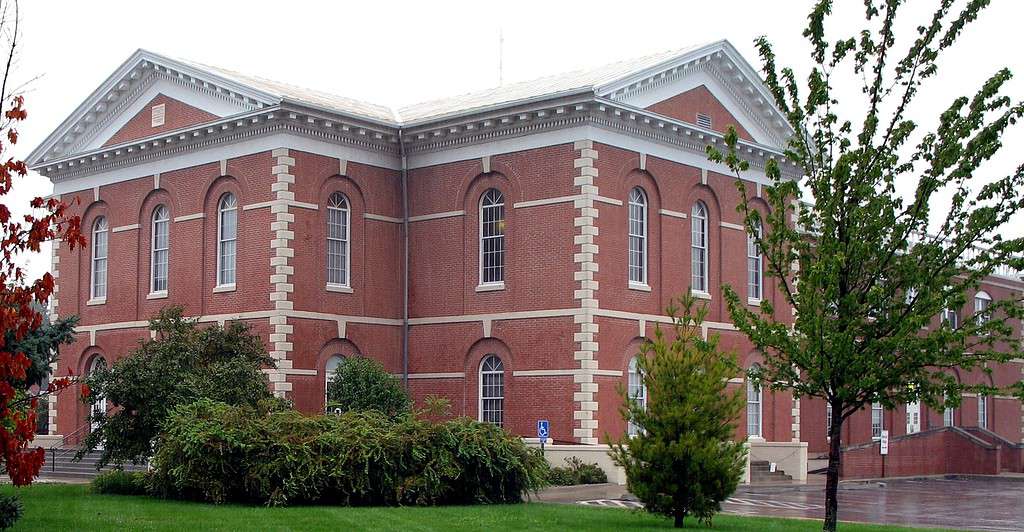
542,428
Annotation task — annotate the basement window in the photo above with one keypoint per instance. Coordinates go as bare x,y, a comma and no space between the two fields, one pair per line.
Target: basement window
704,121
159,112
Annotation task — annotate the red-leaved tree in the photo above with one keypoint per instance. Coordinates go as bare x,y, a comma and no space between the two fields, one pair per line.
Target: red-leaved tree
48,220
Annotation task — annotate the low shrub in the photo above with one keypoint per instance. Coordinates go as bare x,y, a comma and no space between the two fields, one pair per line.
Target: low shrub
118,482
362,383
220,453
10,511
576,472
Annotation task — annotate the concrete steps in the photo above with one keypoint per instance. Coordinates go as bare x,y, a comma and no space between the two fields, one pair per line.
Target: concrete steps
760,471
60,465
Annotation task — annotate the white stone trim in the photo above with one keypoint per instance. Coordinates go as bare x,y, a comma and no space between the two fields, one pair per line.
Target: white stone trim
491,287
585,388
381,218
123,228
187,217
673,214
221,288
436,215
340,288
281,201
497,316
545,201
281,270
157,295
449,375
737,227
567,372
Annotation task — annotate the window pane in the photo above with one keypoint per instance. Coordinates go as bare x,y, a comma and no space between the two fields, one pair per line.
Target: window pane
492,237
699,248
337,239
492,390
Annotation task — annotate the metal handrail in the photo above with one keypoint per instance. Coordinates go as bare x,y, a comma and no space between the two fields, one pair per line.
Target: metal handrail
63,449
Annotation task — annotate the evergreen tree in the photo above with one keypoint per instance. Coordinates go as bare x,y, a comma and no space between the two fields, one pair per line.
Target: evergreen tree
683,460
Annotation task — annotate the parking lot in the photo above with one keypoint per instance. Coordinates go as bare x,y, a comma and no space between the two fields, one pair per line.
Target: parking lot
967,503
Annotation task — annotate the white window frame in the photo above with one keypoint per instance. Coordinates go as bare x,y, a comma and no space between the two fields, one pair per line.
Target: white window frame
99,264
637,390
982,301
948,419
755,405
161,220
493,199
982,411
223,209
699,249
828,419
877,420
637,236
755,268
330,367
491,366
338,205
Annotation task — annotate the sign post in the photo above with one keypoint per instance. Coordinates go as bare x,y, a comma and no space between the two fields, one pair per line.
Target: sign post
542,432
883,448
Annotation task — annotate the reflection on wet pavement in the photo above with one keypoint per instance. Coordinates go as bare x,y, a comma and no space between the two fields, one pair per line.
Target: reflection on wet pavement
964,503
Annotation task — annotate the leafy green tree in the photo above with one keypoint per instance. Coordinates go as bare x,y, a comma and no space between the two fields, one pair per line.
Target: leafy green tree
859,266
42,346
182,364
362,383
683,460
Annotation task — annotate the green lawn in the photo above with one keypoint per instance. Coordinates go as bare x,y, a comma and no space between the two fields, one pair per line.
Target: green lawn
58,507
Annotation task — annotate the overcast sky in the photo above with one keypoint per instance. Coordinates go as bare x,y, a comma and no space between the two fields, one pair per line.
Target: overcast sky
398,52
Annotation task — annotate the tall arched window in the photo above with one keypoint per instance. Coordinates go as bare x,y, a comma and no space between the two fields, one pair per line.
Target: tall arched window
876,420
981,303
492,390
637,391
161,245
98,283
99,407
492,237
754,269
753,409
699,247
337,239
982,411
637,236
330,371
947,416
227,236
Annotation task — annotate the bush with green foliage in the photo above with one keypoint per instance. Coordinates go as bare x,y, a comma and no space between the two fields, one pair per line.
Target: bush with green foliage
11,510
182,364
575,472
221,453
361,384
120,482
683,460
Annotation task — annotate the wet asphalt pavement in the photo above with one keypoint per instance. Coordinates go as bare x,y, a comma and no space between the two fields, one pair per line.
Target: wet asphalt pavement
965,503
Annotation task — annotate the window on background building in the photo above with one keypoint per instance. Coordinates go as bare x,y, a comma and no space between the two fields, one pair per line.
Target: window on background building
699,247
330,371
947,417
227,237
98,283
638,236
492,237
492,390
753,409
637,391
828,419
876,420
949,316
161,246
337,239
981,303
982,411
754,275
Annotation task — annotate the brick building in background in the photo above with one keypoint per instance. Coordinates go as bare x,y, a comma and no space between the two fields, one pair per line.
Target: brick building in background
506,249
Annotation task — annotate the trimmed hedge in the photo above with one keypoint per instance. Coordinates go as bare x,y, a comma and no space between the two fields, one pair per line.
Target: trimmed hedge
119,482
576,472
220,453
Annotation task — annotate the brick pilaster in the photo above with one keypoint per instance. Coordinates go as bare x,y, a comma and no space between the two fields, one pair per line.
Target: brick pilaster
585,258
281,268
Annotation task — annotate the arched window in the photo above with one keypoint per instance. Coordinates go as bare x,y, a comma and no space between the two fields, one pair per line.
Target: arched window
699,247
492,390
330,370
227,236
876,420
754,273
337,240
99,408
982,411
637,391
637,236
981,303
161,245
98,284
753,409
947,416
492,237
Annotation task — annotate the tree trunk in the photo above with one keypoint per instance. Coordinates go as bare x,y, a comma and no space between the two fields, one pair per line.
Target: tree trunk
679,519
832,478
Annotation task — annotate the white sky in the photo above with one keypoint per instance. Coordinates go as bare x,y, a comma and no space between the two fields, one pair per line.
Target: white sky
404,52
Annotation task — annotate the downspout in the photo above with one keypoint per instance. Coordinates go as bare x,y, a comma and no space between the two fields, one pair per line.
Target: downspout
405,258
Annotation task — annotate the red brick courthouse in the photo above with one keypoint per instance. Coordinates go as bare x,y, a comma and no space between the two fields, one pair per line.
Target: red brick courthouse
507,249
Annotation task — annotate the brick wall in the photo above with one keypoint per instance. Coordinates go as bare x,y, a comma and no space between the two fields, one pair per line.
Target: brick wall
933,452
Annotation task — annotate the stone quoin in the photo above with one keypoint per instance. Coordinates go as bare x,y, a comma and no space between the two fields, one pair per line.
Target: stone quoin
520,241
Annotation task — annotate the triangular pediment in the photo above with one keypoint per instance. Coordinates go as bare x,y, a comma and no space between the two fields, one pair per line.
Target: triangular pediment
116,111
714,78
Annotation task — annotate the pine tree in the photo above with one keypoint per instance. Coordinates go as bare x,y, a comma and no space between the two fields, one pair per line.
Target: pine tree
683,459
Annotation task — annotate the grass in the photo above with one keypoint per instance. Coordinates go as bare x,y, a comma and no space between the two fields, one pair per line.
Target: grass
71,507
